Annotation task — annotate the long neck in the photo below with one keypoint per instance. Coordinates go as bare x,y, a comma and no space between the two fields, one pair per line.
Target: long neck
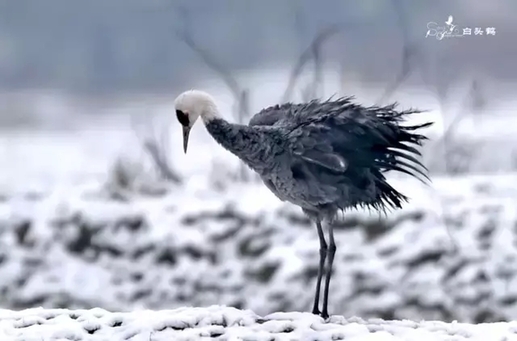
249,144
209,113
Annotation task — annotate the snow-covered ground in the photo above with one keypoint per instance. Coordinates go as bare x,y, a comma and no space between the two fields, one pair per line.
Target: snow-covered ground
67,242
225,323
445,256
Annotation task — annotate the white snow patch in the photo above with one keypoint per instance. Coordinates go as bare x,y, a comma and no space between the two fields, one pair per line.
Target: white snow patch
227,323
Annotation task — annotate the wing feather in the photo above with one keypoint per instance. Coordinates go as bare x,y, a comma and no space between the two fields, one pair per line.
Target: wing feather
341,150
360,144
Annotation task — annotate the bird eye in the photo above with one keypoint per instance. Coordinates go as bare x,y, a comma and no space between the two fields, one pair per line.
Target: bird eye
182,118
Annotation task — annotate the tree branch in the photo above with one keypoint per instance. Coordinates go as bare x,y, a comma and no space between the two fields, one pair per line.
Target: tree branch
207,58
157,151
410,54
240,95
305,57
161,161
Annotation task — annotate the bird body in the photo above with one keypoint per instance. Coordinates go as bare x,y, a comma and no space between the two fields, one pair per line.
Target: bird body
323,156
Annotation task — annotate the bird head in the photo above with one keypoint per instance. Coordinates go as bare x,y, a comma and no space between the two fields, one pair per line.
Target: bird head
190,105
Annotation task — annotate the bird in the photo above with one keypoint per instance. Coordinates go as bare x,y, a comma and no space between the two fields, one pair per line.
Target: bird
325,156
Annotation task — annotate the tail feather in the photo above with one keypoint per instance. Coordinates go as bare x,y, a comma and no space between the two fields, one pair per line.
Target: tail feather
407,169
395,148
401,153
388,196
406,148
371,140
410,167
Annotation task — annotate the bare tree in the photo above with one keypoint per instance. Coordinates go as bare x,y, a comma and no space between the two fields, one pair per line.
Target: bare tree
241,95
413,58
313,52
156,145
458,153
412,55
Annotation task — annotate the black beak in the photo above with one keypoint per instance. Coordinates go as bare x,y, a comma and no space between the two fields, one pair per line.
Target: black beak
186,132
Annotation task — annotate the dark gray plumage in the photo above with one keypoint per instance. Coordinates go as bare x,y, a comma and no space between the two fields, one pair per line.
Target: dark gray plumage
324,156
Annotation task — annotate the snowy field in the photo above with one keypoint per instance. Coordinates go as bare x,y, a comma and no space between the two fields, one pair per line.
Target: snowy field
70,238
224,323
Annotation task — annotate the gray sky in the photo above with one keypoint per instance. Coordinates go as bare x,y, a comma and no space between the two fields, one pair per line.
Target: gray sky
133,45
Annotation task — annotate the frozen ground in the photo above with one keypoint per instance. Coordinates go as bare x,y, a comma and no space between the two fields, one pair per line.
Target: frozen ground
223,323
67,242
64,243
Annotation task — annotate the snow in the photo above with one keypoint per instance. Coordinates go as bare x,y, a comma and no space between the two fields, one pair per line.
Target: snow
444,256
226,323
65,243
375,275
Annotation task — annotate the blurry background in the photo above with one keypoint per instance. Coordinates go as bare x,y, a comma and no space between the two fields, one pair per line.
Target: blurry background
100,207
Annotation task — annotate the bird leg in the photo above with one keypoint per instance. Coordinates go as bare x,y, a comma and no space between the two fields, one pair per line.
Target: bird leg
330,259
323,256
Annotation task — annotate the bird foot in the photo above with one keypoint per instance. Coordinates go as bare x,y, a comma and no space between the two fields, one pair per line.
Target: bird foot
324,315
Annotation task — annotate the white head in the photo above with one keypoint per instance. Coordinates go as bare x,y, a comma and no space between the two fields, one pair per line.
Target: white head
190,105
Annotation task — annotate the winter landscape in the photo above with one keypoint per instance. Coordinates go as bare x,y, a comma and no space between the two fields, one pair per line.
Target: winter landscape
92,225
109,231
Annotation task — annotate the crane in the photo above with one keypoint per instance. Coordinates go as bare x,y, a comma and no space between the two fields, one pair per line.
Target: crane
323,156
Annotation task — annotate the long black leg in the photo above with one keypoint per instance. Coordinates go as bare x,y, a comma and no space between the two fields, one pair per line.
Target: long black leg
323,256
330,258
